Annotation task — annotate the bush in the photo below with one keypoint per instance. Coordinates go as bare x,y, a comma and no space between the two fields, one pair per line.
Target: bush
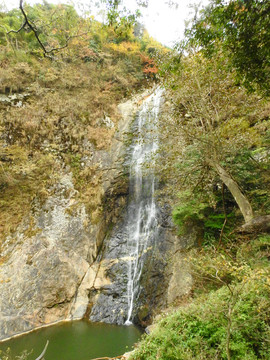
200,331
229,317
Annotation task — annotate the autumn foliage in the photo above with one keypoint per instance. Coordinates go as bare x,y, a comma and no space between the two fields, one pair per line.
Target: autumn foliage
149,66
65,98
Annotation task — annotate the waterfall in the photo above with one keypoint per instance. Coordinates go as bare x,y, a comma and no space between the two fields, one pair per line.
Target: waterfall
129,245
142,210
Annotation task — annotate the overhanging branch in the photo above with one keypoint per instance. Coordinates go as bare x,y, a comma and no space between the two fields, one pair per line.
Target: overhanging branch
34,30
17,31
27,22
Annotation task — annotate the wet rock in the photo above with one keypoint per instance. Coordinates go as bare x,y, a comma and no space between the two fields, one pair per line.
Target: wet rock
120,247
110,304
49,275
69,268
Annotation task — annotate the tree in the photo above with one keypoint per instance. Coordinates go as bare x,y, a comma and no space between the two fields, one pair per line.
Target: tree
54,26
120,19
242,29
48,39
207,128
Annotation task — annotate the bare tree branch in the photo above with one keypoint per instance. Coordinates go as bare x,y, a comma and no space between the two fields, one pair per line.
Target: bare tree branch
17,31
32,28
43,352
27,22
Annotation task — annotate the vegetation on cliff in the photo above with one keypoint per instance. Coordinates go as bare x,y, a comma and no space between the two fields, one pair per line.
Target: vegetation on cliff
60,106
214,136
228,317
215,166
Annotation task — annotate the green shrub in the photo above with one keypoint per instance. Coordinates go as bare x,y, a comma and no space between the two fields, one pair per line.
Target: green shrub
200,331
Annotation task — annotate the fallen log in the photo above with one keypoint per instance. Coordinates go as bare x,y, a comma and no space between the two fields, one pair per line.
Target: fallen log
258,225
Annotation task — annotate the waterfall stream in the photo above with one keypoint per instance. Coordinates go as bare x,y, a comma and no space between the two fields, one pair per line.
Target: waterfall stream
142,211
133,239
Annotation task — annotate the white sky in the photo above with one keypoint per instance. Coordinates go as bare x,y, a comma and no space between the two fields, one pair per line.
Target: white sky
163,23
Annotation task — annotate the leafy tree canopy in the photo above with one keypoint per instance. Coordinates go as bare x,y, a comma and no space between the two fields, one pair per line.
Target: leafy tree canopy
241,29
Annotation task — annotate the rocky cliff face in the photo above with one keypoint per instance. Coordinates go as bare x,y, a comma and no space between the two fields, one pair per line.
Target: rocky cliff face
53,267
141,258
46,268
41,276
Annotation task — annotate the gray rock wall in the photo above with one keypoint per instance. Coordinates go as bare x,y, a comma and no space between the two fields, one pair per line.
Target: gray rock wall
41,276
46,276
53,266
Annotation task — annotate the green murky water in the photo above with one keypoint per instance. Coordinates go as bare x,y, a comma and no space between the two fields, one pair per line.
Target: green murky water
78,340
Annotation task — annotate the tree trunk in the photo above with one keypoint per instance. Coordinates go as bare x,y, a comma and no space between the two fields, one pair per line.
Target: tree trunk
239,197
229,324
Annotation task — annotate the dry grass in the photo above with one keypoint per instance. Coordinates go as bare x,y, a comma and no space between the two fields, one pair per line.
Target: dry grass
62,115
23,178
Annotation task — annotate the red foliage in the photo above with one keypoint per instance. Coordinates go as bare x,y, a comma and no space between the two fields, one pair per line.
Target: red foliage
149,66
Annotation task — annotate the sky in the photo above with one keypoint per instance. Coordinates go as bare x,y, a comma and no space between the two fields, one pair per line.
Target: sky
164,23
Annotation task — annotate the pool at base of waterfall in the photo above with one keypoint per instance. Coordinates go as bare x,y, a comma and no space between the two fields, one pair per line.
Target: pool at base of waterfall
75,340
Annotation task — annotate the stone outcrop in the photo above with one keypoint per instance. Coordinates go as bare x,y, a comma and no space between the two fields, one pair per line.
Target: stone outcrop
47,267
41,276
53,268
164,274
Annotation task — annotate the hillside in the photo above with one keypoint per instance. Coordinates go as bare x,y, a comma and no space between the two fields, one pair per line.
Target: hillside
81,125
66,111
56,112
215,169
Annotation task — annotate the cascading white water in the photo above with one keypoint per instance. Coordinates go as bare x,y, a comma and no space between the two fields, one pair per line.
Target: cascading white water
142,210
126,253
